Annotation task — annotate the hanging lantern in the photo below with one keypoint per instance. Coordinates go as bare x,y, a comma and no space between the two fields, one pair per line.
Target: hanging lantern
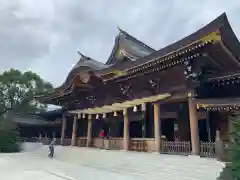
143,107
83,115
89,116
115,113
97,116
198,107
104,115
135,109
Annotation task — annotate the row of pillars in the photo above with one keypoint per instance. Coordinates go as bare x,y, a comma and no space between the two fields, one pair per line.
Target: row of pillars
74,130
157,128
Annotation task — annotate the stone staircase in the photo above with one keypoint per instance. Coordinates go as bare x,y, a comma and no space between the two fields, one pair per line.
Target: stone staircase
134,165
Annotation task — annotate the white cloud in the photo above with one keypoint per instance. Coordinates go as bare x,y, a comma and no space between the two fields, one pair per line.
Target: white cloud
44,35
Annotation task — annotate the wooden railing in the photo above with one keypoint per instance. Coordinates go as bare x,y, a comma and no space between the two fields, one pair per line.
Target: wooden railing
108,143
176,147
97,142
138,144
81,142
207,149
33,139
66,142
115,143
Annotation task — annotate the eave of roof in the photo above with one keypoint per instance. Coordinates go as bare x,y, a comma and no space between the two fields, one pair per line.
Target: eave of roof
29,119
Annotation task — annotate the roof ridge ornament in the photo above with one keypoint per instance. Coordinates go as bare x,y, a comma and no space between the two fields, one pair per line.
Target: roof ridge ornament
79,53
122,31
83,57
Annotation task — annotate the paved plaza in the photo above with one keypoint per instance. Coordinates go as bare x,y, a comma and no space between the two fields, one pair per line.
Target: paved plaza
74,163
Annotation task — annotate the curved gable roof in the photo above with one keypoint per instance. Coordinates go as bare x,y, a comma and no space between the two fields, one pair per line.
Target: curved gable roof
128,46
85,64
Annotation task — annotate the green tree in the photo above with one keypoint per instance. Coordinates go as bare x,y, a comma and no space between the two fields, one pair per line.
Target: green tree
9,136
232,169
17,91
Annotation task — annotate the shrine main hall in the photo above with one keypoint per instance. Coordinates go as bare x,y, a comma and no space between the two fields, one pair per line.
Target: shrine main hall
175,100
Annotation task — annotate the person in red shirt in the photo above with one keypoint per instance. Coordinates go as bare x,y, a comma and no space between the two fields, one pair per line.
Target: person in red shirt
101,135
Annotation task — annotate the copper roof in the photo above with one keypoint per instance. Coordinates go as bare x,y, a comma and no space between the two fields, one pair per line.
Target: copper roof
220,25
128,46
84,65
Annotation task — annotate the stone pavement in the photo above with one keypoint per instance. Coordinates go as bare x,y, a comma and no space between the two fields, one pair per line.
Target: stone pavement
74,163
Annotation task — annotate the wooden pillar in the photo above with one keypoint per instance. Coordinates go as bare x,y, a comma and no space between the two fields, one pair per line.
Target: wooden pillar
126,130
89,132
63,129
193,125
208,127
74,129
157,127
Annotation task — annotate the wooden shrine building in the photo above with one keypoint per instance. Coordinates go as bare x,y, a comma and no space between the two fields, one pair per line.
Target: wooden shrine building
167,100
31,126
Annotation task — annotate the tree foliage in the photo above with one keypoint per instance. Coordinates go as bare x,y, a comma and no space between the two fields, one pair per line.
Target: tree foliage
9,136
17,91
232,169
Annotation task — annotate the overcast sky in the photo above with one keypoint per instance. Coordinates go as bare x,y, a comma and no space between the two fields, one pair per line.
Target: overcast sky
43,35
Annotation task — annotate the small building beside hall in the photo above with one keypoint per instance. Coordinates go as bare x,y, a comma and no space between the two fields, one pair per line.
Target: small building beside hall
171,100
32,126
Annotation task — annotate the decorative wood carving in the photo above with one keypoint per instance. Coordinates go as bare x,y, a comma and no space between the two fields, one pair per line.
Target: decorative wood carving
190,72
91,99
126,90
153,85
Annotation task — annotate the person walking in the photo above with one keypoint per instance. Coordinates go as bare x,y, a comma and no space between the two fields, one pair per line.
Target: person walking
51,148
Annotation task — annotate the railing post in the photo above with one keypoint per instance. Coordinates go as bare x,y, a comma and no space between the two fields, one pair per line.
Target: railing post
126,130
219,147
63,130
157,126
74,129
89,132
193,124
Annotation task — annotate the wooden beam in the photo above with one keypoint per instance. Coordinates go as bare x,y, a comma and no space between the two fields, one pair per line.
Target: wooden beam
120,106
217,102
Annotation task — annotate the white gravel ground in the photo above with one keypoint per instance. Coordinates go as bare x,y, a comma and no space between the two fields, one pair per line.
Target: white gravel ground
74,163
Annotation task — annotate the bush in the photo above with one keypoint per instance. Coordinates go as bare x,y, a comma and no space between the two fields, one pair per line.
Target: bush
9,136
232,169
